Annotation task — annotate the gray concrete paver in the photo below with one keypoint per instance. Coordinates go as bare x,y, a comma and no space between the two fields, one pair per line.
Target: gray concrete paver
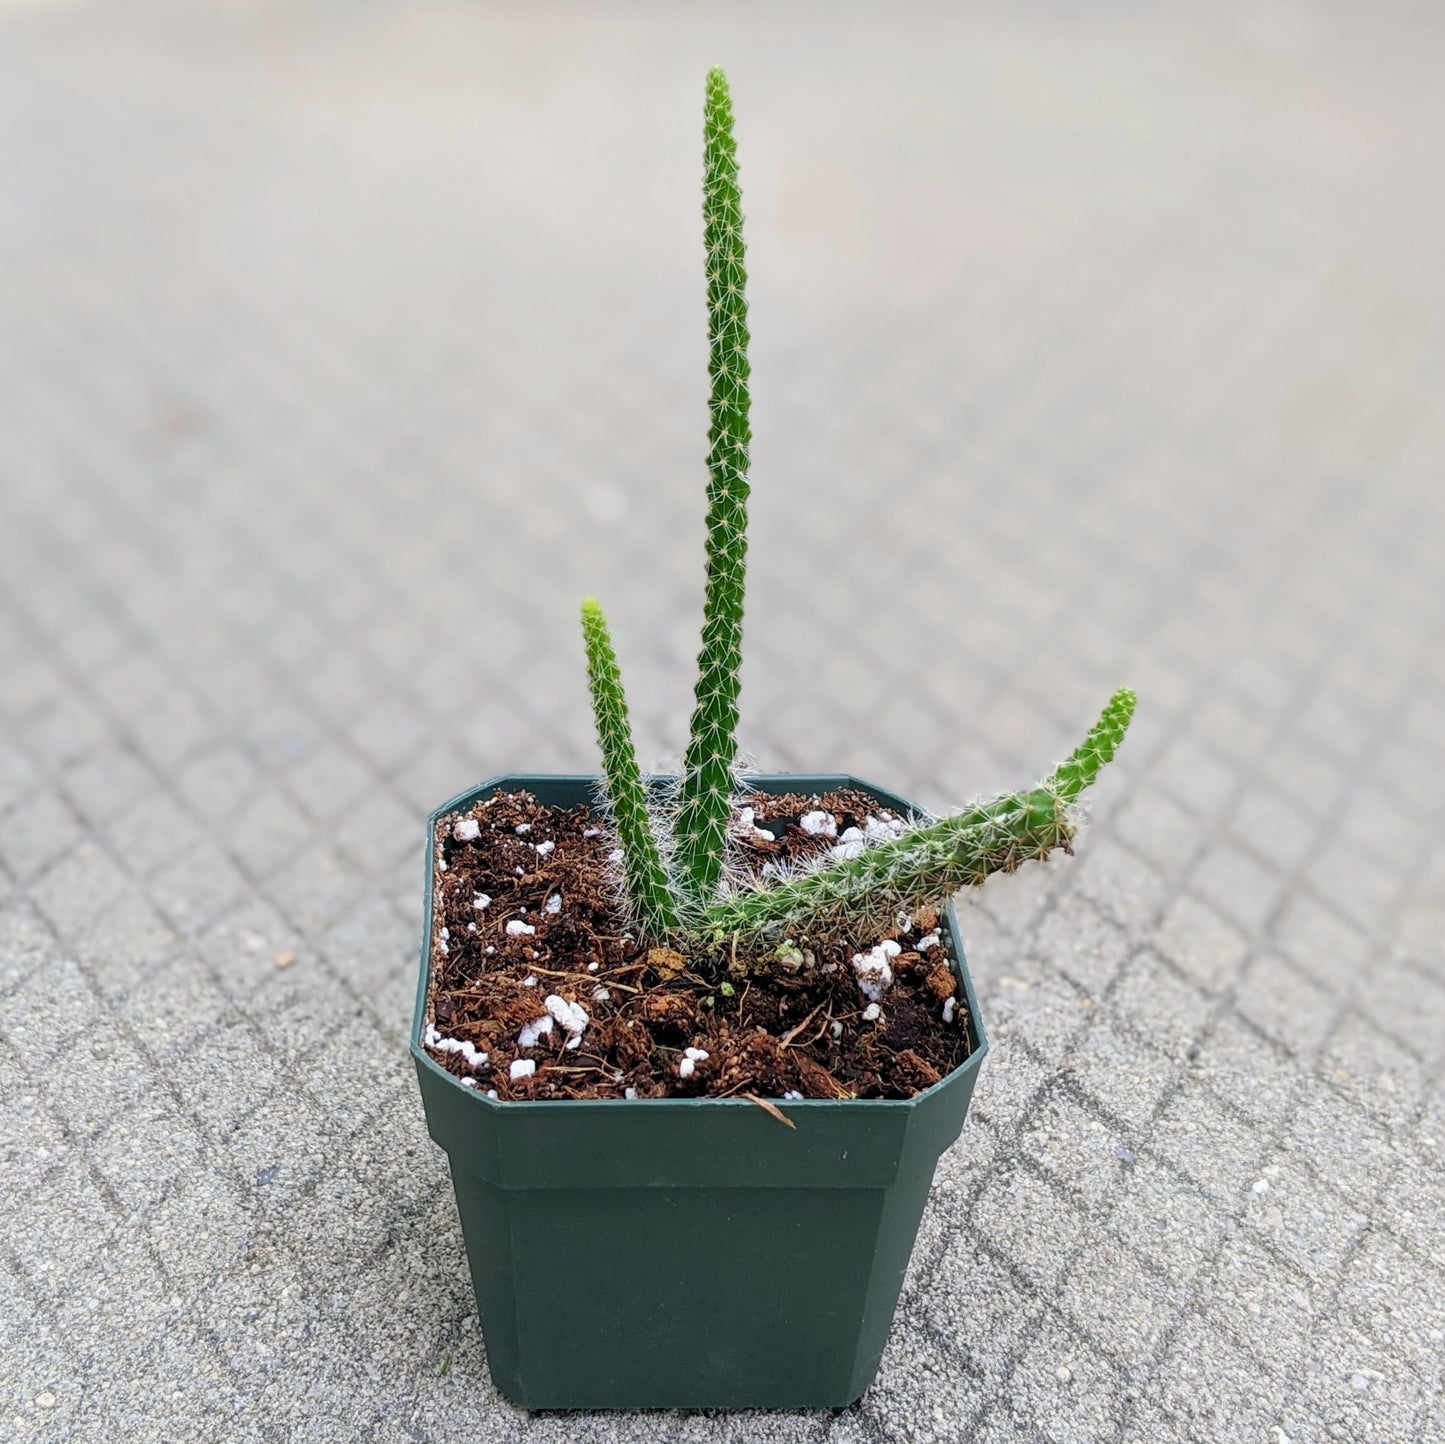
320,327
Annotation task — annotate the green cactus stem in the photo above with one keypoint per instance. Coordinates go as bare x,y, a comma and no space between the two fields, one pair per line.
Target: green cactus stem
927,864
705,793
1097,750
649,897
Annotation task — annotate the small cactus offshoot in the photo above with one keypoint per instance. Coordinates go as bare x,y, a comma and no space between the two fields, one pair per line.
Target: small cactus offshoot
680,888
646,886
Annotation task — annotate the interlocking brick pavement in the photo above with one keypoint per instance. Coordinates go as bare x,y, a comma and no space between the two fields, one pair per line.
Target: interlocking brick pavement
343,348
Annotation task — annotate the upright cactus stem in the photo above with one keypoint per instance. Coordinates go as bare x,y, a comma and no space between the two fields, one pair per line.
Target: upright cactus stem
649,897
707,777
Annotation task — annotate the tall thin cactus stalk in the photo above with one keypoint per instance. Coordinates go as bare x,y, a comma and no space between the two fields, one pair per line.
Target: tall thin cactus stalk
705,795
649,898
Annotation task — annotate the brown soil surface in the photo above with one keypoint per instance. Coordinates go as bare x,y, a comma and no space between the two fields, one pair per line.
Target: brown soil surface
765,1036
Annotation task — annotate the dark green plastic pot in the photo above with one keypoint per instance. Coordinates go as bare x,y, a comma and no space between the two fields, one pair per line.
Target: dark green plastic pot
687,1253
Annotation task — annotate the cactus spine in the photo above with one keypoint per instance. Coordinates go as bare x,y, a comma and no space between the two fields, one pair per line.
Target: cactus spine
649,898
928,863
705,795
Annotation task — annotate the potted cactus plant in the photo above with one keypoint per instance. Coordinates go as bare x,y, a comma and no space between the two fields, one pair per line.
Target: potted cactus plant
694,1044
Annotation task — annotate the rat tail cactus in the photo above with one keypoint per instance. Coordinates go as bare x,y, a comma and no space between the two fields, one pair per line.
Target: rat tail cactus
684,884
705,796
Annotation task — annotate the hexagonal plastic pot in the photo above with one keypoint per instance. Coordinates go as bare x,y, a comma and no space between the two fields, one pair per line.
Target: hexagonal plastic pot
687,1253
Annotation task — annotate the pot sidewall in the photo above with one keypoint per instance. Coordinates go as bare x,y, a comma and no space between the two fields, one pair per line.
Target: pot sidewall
706,1256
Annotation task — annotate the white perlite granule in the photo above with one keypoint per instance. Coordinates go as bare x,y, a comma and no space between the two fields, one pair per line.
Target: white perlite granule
466,829
439,1043
572,1016
883,829
874,970
745,820
534,1031
516,928
819,824
522,1068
